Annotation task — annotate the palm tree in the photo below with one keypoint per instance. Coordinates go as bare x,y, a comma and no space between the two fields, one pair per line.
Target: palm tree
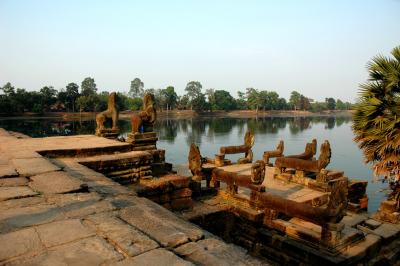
377,118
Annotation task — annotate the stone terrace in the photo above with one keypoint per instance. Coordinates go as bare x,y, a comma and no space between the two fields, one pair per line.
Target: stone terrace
59,212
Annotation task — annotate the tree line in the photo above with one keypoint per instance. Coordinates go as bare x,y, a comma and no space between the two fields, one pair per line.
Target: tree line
85,98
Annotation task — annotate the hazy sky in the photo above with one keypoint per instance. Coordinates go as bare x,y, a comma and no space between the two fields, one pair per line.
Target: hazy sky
319,48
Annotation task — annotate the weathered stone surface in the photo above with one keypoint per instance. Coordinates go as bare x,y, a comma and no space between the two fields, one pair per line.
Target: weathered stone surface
15,192
108,189
388,231
352,219
160,224
19,203
13,182
7,171
83,208
367,246
61,232
12,219
88,251
80,204
24,154
19,243
33,166
55,182
64,200
181,193
182,204
372,224
161,185
157,257
212,252
122,235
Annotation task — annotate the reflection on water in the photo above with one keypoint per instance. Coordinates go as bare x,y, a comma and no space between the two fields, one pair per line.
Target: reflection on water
175,136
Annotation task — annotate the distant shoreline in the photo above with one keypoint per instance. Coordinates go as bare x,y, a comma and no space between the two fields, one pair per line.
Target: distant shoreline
185,114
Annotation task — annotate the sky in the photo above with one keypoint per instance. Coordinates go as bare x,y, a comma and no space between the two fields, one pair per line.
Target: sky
319,48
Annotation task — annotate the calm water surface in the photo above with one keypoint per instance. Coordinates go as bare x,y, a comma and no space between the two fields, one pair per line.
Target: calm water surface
175,136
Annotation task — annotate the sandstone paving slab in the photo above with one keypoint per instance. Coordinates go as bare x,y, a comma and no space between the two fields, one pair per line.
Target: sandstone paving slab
215,252
19,243
33,166
22,202
15,192
156,257
13,182
12,219
78,205
388,231
7,171
80,209
61,232
55,182
370,244
88,251
62,200
125,237
109,189
160,224
24,154
352,219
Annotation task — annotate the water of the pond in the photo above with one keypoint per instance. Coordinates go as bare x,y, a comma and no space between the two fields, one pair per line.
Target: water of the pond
175,136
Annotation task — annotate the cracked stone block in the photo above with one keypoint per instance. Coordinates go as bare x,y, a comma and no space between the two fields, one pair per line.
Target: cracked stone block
33,166
61,232
88,251
156,257
127,238
19,243
13,182
55,182
214,252
12,219
160,224
7,193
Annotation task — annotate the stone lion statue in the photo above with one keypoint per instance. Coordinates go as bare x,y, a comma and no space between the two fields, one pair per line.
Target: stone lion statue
110,113
146,117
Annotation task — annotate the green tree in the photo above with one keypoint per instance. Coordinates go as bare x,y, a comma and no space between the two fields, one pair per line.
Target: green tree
88,87
304,103
72,91
254,100
86,103
294,100
137,88
330,103
48,94
223,100
193,91
210,93
377,115
241,102
8,89
183,102
171,97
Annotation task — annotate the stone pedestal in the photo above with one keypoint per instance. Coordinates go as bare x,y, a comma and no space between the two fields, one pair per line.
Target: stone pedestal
143,141
108,133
